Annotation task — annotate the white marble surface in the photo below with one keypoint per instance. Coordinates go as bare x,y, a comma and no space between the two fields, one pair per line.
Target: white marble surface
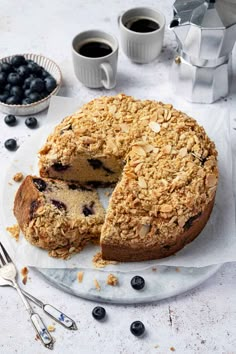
200,321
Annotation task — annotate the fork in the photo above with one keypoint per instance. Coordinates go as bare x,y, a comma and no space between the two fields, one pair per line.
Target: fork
8,272
50,310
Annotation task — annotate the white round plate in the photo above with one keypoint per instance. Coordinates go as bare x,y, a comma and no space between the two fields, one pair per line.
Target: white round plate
161,281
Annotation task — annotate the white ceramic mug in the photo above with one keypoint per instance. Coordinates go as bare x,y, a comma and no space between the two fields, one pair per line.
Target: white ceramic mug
138,46
99,71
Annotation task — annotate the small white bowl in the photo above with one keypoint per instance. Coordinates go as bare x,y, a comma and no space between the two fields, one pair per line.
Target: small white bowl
32,108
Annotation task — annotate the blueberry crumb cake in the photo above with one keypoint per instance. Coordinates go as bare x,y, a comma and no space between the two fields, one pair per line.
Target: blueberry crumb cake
164,166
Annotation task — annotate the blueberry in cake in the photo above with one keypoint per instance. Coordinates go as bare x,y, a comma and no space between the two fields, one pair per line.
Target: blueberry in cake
163,163
58,216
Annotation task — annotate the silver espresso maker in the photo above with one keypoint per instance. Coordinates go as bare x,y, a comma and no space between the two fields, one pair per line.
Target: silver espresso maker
206,33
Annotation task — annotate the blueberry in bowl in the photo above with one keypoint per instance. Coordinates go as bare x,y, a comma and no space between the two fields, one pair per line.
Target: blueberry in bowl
27,83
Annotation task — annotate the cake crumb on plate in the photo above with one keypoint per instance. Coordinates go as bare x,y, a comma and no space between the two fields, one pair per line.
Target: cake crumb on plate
51,328
18,177
14,230
97,285
24,272
80,276
112,280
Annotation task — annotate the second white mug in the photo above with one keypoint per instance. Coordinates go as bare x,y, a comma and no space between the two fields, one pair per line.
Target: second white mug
142,33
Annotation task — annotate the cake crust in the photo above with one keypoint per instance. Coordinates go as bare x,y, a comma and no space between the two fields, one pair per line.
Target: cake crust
139,252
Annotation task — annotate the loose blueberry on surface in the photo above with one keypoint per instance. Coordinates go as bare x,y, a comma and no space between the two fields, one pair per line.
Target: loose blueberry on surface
40,184
37,85
10,144
16,91
18,60
14,79
137,328
34,96
99,313
31,122
23,71
3,79
10,120
6,67
13,100
137,282
50,83
4,96
26,100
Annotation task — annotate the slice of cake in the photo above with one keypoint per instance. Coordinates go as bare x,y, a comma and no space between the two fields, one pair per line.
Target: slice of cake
58,216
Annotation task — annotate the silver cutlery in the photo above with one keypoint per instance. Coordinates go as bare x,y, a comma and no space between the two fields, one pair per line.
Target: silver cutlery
8,273
50,310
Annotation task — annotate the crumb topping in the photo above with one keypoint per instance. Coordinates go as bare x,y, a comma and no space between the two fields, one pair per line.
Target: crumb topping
98,262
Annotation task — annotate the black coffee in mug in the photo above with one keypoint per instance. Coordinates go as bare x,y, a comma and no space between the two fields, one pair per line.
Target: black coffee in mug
95,49
142,25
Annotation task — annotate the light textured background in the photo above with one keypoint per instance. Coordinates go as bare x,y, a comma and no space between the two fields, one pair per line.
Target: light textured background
200,321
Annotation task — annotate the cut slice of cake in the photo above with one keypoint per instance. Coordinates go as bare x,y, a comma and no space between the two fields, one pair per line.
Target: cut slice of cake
58,216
